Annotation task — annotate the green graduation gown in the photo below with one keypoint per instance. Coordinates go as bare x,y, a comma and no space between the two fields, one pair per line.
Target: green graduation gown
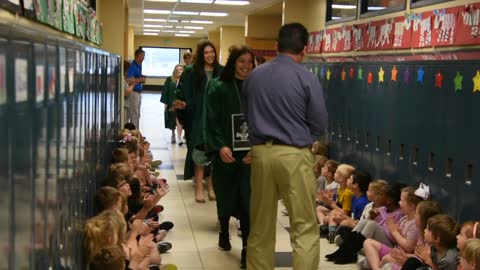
231,181
169,95
192,91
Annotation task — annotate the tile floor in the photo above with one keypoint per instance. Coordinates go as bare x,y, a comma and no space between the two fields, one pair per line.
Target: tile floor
195,234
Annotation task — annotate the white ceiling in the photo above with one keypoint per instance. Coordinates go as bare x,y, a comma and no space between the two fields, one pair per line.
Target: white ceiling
236,15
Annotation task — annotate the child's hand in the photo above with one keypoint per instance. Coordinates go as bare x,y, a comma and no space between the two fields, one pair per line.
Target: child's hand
423,252
373,214
399,255
391,225
248,158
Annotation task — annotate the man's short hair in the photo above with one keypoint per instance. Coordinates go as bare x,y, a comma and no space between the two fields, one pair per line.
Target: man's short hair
139,51
292,38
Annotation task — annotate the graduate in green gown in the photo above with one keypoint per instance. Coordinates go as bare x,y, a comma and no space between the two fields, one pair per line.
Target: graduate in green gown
231,168
193,84
169,95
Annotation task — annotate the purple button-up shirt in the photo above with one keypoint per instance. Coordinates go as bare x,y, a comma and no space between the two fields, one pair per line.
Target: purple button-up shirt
284,102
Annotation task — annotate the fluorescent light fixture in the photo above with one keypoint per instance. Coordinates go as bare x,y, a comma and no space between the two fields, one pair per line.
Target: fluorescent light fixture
168,26
150,34
337,6
173,21
376,8
153,25
182,35
169,31
156,11
178,27
232,3
336,18
151,30
186,32
193,27
201,22
214,14
154,20
184,21
197,1
192,13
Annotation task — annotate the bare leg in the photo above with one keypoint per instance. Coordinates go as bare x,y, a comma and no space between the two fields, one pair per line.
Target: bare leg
199,173
211,193
372,248
179,131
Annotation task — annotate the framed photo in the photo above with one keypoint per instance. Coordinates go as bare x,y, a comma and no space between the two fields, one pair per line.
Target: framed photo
11,5
39,51
21,79
63,68
240,133
3,79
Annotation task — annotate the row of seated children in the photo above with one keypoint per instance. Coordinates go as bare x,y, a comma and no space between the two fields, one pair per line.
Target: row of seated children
398,227
126,233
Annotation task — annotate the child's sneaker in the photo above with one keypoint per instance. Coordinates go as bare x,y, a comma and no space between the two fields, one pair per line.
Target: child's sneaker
331,237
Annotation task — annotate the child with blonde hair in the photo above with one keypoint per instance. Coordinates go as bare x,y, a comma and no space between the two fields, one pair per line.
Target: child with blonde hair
470,255
470,229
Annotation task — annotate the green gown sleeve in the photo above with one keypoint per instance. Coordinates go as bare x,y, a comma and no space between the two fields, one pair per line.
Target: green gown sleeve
166,91
214,111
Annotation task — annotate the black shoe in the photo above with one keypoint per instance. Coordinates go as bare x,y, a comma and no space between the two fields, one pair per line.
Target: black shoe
224,242
163,247
243,259
324,230
346,259
331,237
166,225
333,256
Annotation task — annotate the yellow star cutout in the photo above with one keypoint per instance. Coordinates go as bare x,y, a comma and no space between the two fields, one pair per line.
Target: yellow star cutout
380,75
328,74
476,82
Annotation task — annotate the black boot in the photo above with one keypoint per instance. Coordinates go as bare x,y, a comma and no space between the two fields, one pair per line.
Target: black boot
351,250
348,238
224,242
243,259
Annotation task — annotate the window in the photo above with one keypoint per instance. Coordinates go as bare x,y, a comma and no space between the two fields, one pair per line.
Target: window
371,8
421,3
341,10
160,62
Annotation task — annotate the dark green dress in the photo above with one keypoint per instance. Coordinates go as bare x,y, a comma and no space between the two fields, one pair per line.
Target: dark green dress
192,91
231,181
169,95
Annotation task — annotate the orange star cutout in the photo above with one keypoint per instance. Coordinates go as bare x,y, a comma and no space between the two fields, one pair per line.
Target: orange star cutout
394,73
380,75
328,74
344,75
476,82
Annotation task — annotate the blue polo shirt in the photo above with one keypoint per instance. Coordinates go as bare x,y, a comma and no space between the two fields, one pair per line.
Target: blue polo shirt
358,204
135,70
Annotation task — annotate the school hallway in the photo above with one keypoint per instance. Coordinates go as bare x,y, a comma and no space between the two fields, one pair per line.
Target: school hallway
195,235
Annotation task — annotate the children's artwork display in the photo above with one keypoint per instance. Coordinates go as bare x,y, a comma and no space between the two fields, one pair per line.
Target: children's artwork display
379,35
422,30
40,8
55,13
68,16
21,79
468,25
338,39
443,30
80,14
315,40
402,33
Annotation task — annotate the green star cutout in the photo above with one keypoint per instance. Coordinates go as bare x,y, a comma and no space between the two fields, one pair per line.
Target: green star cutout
316,70
360,73
458,82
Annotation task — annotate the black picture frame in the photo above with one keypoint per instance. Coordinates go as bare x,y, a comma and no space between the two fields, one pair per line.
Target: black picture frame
240,133
11,6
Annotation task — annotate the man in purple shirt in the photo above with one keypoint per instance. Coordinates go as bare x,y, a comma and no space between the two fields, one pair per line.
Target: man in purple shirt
285,110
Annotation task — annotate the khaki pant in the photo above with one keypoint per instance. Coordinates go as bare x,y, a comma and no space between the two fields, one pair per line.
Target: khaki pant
280,171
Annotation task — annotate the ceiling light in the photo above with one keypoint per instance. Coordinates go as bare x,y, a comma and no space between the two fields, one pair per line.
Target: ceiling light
156,11
178,27
173,21
168,26
214,14
182,35
197,1
151,30
193,27
233,3
336,6
169,31
184,21
376,8
153,25
201,22
185,13
150,34
154,20
186,32
336,18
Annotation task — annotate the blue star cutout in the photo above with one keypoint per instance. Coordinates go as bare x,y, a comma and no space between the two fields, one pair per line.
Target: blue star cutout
420,74
322,72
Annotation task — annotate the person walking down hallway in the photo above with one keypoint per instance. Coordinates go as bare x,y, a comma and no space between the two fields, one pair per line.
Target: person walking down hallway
190,105
231,169
285,110
134,100
169,95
